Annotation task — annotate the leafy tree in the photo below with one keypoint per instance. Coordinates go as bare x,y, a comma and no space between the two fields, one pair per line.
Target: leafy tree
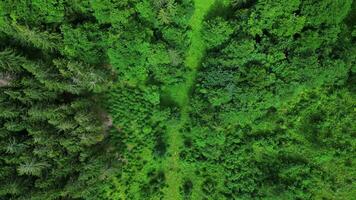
262,107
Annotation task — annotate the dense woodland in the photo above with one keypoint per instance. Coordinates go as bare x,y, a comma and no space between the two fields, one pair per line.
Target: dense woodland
177,99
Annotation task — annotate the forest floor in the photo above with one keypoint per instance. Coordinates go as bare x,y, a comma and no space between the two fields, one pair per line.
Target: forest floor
175,169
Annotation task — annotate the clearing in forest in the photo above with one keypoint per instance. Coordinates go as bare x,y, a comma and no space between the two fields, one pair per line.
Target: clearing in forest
174,168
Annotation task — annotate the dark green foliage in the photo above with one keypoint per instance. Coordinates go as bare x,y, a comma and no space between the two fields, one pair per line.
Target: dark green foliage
53,136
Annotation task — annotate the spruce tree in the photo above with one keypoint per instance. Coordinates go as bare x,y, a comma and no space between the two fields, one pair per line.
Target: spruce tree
53,140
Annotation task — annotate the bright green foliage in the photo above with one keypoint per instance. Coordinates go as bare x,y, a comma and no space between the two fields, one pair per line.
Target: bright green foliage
140,122
177,99
85,43
149,57
147,42
273,109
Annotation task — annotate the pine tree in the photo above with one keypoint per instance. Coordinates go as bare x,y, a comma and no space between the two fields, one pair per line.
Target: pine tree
50,123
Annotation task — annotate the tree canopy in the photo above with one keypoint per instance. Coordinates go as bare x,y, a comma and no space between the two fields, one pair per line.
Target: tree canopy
177,99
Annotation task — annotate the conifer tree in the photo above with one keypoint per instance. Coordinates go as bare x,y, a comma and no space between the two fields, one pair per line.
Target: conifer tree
52,133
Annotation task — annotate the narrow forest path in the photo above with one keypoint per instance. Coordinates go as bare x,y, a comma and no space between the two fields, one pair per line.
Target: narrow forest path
174,168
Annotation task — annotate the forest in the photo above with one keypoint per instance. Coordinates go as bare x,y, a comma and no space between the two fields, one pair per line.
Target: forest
177,99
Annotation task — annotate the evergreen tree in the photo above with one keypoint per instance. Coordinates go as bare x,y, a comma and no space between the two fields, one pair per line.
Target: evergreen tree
53,141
